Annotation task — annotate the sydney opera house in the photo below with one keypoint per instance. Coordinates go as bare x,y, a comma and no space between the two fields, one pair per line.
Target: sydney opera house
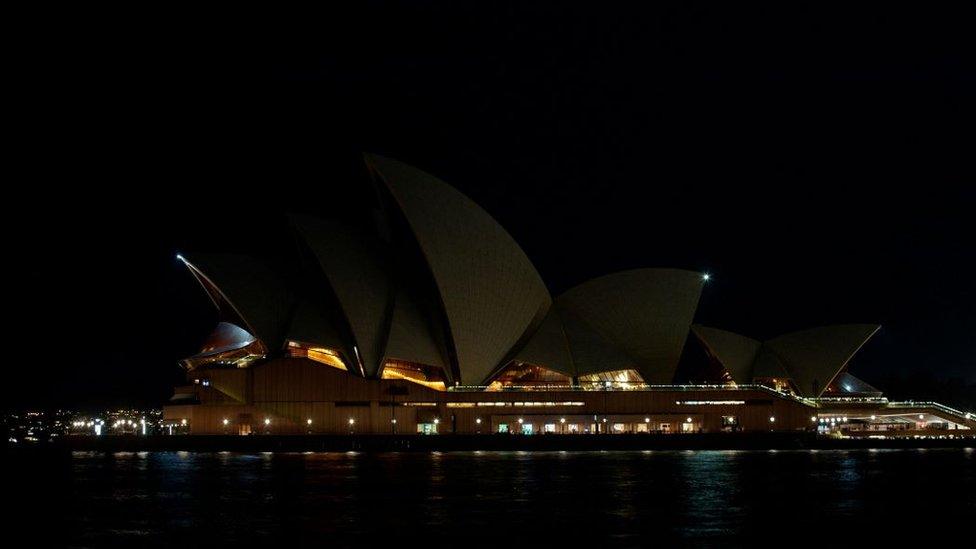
426,317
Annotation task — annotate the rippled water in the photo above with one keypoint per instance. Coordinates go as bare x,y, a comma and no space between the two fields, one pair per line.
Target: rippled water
161,499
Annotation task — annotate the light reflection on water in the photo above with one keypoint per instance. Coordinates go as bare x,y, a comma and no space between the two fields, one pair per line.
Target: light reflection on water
160,499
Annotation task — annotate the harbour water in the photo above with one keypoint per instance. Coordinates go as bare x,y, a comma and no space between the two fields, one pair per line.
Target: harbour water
499,499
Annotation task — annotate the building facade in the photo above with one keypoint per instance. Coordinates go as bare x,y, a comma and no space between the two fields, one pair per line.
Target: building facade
418,314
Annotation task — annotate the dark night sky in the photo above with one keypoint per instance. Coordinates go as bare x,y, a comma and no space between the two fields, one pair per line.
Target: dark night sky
818,161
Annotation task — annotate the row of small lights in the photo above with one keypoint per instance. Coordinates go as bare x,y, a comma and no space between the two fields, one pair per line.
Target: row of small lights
267,421
352,421
844,419
123,423
772,419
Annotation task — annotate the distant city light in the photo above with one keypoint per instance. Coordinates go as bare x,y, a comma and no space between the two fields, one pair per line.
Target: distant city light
226,421
920,416
436,421
183,422
772,419
520,420
688,420
562,420
308,421
813,418
267,421
478,421
706,277
351,421
393,421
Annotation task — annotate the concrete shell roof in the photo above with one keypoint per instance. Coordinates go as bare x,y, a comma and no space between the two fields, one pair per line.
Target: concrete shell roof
548,347
357,270
225,337
309,325
411,335
591,352
810,358
646,313
769,365
736,352
256,295
815,356
490,291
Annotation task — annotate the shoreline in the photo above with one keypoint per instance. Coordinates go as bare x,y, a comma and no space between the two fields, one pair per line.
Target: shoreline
420,443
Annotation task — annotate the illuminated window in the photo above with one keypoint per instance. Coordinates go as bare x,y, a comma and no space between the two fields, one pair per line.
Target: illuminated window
782,385
710,402
502,427
549,428
527,377
321,355
431,377
613,379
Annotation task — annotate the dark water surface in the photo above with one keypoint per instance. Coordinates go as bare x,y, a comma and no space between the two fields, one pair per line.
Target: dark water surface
501,499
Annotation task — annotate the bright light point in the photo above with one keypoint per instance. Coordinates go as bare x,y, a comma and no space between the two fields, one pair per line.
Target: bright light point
772,419
180,257
478,421
520,420
351,421
309,421
562,420
688,420
267,421
813,418
436,421
920,416
647,420
706,277
393,421
874,418
226,421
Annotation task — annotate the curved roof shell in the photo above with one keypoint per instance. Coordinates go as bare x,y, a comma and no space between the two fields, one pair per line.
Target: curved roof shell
814,357
548,347
252,292
646,313
412,337
811,358
358,272
735,352
309,325
225,337
490,292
